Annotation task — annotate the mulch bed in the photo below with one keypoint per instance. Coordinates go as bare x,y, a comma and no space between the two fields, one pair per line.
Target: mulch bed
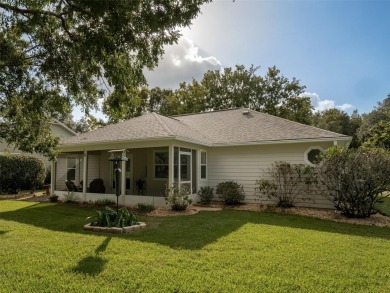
323,214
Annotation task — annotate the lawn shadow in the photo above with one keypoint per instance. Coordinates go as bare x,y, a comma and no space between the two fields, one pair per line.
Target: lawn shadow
93,264
3,232
182,232
195,232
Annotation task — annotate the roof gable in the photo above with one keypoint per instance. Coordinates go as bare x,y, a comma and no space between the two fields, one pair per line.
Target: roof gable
227,127
245,125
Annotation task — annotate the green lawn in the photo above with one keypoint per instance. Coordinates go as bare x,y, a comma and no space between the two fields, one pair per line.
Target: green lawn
44,249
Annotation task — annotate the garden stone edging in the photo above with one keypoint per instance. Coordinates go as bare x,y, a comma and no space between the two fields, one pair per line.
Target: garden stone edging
115,230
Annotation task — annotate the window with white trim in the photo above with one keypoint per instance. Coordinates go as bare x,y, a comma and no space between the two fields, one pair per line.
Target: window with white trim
161,164
203,165
312,155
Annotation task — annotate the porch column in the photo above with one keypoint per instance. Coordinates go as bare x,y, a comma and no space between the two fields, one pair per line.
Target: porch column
53,177
198,167
85,168
171,174
123,178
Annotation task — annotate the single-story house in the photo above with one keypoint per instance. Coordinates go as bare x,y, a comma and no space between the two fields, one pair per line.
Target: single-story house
58,129
195,150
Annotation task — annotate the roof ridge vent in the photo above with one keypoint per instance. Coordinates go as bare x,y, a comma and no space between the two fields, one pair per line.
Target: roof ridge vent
245,112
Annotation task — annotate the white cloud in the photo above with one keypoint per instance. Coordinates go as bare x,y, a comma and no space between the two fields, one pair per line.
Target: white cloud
181,62
322,105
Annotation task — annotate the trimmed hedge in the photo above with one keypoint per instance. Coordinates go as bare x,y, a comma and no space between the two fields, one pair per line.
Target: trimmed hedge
231,192
19,172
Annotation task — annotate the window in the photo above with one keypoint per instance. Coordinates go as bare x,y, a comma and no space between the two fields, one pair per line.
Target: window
312,155
203,165
161,164
71,169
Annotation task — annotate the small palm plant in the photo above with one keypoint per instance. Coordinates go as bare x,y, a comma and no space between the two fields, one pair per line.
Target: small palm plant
111,218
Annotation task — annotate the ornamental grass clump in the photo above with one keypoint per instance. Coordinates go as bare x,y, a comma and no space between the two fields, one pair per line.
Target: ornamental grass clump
354,179
178,197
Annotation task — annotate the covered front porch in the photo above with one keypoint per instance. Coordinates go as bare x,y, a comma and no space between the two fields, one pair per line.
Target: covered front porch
144,177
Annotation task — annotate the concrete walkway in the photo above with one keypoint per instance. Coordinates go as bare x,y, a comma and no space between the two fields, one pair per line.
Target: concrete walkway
202,208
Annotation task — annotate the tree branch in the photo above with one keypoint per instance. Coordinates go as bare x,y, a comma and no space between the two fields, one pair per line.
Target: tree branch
25,11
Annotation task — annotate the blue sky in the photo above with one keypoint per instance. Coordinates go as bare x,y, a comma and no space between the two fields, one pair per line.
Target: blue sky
338,49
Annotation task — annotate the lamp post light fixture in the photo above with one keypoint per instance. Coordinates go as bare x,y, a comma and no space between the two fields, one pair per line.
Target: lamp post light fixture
116,157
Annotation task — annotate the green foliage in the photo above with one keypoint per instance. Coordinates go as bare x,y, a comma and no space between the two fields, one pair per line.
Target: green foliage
70,197
206,194
177,197
111,218
286,183
239,87
230,192
379,136
145,208
337,121
370,120
104,202
85,124
354,179
55,54
21,172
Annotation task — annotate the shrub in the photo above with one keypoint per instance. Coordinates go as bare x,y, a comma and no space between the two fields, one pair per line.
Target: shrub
354,179
177,198
145,208
111,218
104,202
286,182
231,192
70,197
20,172
206,194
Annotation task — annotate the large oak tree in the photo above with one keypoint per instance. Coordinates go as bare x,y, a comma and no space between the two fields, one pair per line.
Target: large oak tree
55,54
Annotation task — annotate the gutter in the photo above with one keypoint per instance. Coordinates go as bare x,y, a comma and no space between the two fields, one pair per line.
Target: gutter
192,141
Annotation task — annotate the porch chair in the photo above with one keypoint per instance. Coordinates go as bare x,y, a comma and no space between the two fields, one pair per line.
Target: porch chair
70,186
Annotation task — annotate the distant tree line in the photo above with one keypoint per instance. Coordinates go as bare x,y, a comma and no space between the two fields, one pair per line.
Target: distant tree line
241,87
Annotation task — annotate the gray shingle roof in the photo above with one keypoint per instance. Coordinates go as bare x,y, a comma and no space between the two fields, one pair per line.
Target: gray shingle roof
219,127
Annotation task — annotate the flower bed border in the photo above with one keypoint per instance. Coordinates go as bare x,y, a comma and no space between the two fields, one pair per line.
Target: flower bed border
115,230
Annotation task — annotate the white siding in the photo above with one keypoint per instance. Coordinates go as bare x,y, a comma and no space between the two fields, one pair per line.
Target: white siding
61,173
60,131
93,170
246,164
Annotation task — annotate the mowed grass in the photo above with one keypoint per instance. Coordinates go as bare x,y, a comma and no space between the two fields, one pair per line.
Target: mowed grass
44,249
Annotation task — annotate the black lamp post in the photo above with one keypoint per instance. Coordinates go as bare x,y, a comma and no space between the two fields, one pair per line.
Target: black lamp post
116,157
